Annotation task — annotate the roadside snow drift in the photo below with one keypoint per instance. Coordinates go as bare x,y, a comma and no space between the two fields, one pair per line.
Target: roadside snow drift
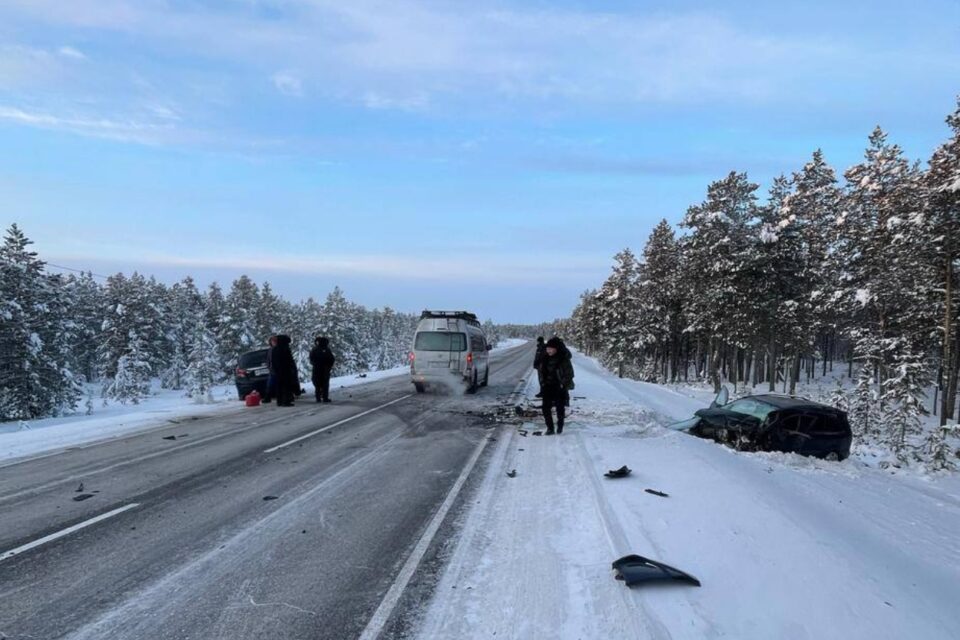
785,547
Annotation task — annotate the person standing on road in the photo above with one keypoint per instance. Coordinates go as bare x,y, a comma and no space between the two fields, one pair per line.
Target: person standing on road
285,370
271,389
322,360
556,370
537,361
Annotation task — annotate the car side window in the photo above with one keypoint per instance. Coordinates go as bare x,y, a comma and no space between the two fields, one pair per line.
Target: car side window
790,423
809,424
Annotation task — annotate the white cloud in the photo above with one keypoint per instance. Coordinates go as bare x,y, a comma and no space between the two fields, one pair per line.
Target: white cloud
70,52
122,130
288,84
377,101
504,268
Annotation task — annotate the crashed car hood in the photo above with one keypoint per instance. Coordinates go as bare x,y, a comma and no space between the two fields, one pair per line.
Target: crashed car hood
720,417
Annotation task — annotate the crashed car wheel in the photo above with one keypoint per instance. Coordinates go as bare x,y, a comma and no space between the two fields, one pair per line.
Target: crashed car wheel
833,456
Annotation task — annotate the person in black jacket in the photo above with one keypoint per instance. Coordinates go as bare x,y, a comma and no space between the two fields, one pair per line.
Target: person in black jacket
285,372
271,389
322,360
556,369
537,359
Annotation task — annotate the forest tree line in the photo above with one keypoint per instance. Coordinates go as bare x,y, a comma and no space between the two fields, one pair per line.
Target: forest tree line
858,274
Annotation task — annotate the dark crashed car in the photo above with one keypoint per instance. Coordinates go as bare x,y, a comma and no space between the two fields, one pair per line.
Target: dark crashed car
252,373
771,422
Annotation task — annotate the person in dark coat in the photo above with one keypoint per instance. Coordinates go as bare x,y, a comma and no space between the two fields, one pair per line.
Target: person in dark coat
271,389
537,359
557,373
285,370
322,360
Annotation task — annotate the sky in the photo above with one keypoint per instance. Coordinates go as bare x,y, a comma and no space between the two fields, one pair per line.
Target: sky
492,156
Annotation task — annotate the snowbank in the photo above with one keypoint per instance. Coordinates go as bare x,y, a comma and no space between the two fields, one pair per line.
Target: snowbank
786,547
116,420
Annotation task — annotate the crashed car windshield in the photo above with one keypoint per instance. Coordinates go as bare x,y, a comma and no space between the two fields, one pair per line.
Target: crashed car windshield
751,407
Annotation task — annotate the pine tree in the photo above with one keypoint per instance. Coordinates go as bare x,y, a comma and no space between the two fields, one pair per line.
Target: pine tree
131,380
888,284
185,305
716,274
661,301
940,220
618,301
238,328
35,333
204,366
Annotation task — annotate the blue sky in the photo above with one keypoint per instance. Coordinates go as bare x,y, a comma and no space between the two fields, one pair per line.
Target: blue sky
488,155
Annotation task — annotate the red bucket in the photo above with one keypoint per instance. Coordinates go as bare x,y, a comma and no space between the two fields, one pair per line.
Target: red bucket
253,399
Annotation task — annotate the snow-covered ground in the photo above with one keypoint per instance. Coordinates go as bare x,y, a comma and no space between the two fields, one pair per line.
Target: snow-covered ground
162,407
117,420
785,547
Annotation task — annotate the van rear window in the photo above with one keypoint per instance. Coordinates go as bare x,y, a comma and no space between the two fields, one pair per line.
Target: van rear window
440,341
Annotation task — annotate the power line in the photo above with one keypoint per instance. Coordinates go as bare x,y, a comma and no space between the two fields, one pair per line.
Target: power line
96,275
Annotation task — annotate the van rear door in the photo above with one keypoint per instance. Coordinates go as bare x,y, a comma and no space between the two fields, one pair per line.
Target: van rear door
439,350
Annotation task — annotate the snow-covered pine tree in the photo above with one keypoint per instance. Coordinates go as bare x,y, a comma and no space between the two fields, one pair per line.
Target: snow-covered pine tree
661,301
715,276
864,410
492,333
269,317
888,283
239,331
203,364
185,305
214,305
35,332
941,220
815,204
618,303
86,312
131,380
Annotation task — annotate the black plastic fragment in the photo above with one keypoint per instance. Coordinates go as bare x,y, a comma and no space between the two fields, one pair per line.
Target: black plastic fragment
269,497
169,437
622,472
657,493
82,497
538,433
512,474
634,570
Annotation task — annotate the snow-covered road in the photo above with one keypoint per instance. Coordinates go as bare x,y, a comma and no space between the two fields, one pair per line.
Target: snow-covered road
785,547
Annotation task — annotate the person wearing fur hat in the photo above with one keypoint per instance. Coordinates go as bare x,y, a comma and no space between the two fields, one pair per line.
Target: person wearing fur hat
537,359
556,368
322,360
285,370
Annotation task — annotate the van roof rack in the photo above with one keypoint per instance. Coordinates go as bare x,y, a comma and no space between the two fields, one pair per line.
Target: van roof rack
470,318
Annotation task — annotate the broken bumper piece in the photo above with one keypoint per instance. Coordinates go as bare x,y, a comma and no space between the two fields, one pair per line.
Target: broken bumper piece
634,569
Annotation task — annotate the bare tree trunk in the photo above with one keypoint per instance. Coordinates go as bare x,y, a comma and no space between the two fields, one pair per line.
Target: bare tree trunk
772,363
714,354
947,331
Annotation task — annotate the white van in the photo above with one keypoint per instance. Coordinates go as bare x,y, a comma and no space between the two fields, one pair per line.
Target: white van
449,348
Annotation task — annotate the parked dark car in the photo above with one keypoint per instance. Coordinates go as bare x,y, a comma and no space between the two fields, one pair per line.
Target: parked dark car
771,422
252,373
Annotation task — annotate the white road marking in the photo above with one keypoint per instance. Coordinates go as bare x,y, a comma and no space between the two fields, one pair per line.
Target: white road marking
380,617
65,532
335,424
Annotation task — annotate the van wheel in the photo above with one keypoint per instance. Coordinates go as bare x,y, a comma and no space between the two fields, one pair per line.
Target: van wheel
486,377
473,385
419,387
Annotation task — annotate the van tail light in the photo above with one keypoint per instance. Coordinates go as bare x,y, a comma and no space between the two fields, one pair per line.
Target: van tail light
412,356
241,372
469,358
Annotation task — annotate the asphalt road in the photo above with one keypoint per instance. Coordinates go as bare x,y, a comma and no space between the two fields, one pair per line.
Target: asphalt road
231,530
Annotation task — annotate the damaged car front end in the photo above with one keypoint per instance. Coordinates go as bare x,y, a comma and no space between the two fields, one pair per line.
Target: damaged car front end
771,422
